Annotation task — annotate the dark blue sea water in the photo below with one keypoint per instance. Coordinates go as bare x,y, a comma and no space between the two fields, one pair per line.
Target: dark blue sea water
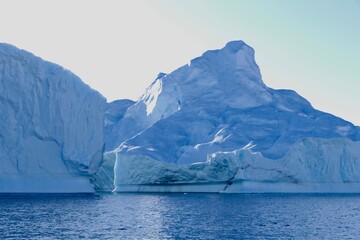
180,216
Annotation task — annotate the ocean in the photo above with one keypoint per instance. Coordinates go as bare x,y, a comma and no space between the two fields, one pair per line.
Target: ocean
180,216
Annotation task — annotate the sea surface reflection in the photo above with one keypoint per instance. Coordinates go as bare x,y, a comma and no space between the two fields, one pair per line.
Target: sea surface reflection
180,216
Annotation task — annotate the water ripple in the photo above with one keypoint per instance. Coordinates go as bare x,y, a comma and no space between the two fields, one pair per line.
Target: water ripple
179,216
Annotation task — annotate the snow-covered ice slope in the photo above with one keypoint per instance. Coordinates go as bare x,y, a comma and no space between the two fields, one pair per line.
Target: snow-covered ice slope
51,126
218,102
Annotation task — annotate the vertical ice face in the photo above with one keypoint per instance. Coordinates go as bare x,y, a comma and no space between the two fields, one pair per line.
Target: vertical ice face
51,126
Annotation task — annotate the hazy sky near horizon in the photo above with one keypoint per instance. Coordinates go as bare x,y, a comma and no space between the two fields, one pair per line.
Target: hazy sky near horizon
118,47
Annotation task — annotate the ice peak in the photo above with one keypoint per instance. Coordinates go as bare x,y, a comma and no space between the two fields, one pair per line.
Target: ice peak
160,75
236,45
236,57
243,57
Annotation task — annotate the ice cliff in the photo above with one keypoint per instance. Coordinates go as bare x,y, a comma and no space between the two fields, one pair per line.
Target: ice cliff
51,126
214,122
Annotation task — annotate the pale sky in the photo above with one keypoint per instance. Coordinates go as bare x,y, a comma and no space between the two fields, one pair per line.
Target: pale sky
118,47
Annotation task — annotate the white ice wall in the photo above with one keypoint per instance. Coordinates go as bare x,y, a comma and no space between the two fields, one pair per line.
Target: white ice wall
51,126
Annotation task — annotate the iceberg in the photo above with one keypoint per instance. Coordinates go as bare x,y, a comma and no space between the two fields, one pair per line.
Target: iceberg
51,126
195,128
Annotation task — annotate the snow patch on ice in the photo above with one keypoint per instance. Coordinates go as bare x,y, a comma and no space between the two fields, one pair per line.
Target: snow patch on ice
151,96
343,130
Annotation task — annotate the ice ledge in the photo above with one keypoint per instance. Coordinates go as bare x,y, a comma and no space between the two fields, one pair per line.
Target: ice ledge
243,187
312,165
173,188
284,187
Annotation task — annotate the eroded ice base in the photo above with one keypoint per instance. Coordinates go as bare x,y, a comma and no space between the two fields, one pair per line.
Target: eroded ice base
243,187
311,165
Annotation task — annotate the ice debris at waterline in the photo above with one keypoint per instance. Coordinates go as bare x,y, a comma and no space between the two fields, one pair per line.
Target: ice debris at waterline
51,126
214,125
